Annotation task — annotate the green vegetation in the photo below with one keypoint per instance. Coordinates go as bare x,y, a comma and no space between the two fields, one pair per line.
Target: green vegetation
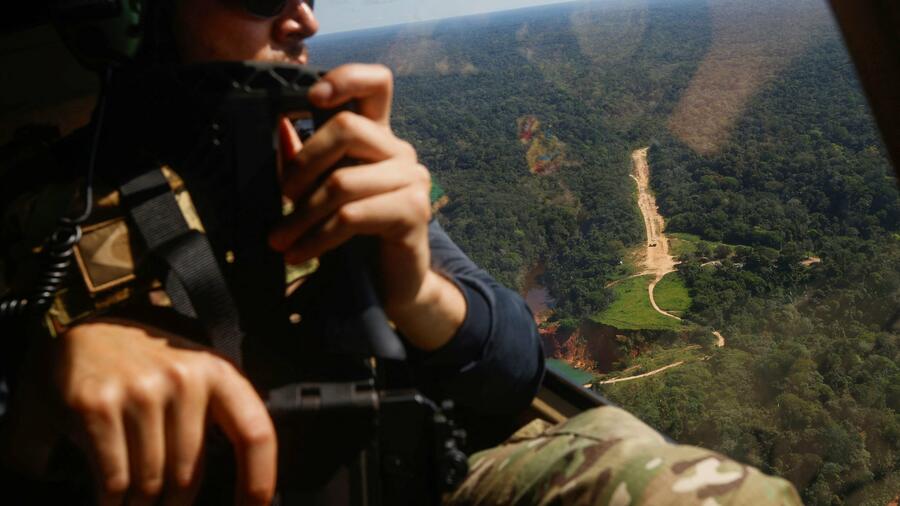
681,245
437,191
886,492
656,358
686,246
684,236
807,385
465,116
671,295
631,309
672,401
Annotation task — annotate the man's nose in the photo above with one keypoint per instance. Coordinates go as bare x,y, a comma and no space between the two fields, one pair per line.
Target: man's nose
297,20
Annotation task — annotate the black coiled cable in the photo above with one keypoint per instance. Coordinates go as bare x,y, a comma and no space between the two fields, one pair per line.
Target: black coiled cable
11,307
59,248
57,259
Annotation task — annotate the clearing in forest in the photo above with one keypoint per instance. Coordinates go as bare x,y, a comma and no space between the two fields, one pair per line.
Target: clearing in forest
657,261
635,306
672,295
654,298
632,310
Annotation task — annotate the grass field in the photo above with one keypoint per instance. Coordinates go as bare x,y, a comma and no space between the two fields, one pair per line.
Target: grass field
671,294
632,310
682,244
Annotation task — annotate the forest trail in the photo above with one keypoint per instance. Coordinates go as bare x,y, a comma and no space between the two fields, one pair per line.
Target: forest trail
657,260
618,281
639,376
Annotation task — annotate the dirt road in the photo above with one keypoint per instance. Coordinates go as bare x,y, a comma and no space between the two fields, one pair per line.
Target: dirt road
639,376
657,260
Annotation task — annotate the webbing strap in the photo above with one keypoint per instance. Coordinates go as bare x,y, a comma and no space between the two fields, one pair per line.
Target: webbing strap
193,281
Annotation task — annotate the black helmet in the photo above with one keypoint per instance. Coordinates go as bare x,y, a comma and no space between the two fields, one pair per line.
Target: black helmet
102,32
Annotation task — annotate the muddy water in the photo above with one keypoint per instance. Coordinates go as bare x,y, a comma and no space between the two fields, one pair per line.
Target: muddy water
536,295
539,300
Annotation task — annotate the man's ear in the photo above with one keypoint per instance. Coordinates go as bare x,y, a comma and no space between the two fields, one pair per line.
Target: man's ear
289,144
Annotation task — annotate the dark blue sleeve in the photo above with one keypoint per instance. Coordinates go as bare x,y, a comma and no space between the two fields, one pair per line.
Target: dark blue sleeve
495,363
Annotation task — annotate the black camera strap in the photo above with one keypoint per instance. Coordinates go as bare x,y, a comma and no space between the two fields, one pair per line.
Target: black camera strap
193,279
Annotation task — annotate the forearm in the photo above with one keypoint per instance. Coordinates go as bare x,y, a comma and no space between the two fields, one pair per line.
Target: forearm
435,316
506,373
493,363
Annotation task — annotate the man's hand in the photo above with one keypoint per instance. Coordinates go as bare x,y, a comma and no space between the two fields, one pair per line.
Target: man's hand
139,407
387,194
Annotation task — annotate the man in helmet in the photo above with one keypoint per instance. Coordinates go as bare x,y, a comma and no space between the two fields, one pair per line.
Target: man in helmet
137,402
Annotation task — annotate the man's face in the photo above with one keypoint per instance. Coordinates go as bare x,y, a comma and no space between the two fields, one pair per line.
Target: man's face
208,30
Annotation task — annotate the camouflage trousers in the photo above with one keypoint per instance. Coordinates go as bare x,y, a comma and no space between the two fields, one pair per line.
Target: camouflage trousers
607,456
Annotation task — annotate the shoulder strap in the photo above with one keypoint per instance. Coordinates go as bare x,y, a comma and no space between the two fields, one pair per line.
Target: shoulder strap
193,281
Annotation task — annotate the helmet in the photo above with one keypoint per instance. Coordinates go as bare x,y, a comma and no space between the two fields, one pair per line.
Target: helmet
101,32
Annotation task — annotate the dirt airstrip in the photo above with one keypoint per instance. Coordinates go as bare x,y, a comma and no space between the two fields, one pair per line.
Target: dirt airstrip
657,260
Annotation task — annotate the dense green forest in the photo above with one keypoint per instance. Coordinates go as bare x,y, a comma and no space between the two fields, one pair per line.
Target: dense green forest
528,118
811,350
463,86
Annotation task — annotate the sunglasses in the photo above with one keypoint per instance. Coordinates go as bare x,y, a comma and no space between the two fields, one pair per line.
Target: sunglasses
268,8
